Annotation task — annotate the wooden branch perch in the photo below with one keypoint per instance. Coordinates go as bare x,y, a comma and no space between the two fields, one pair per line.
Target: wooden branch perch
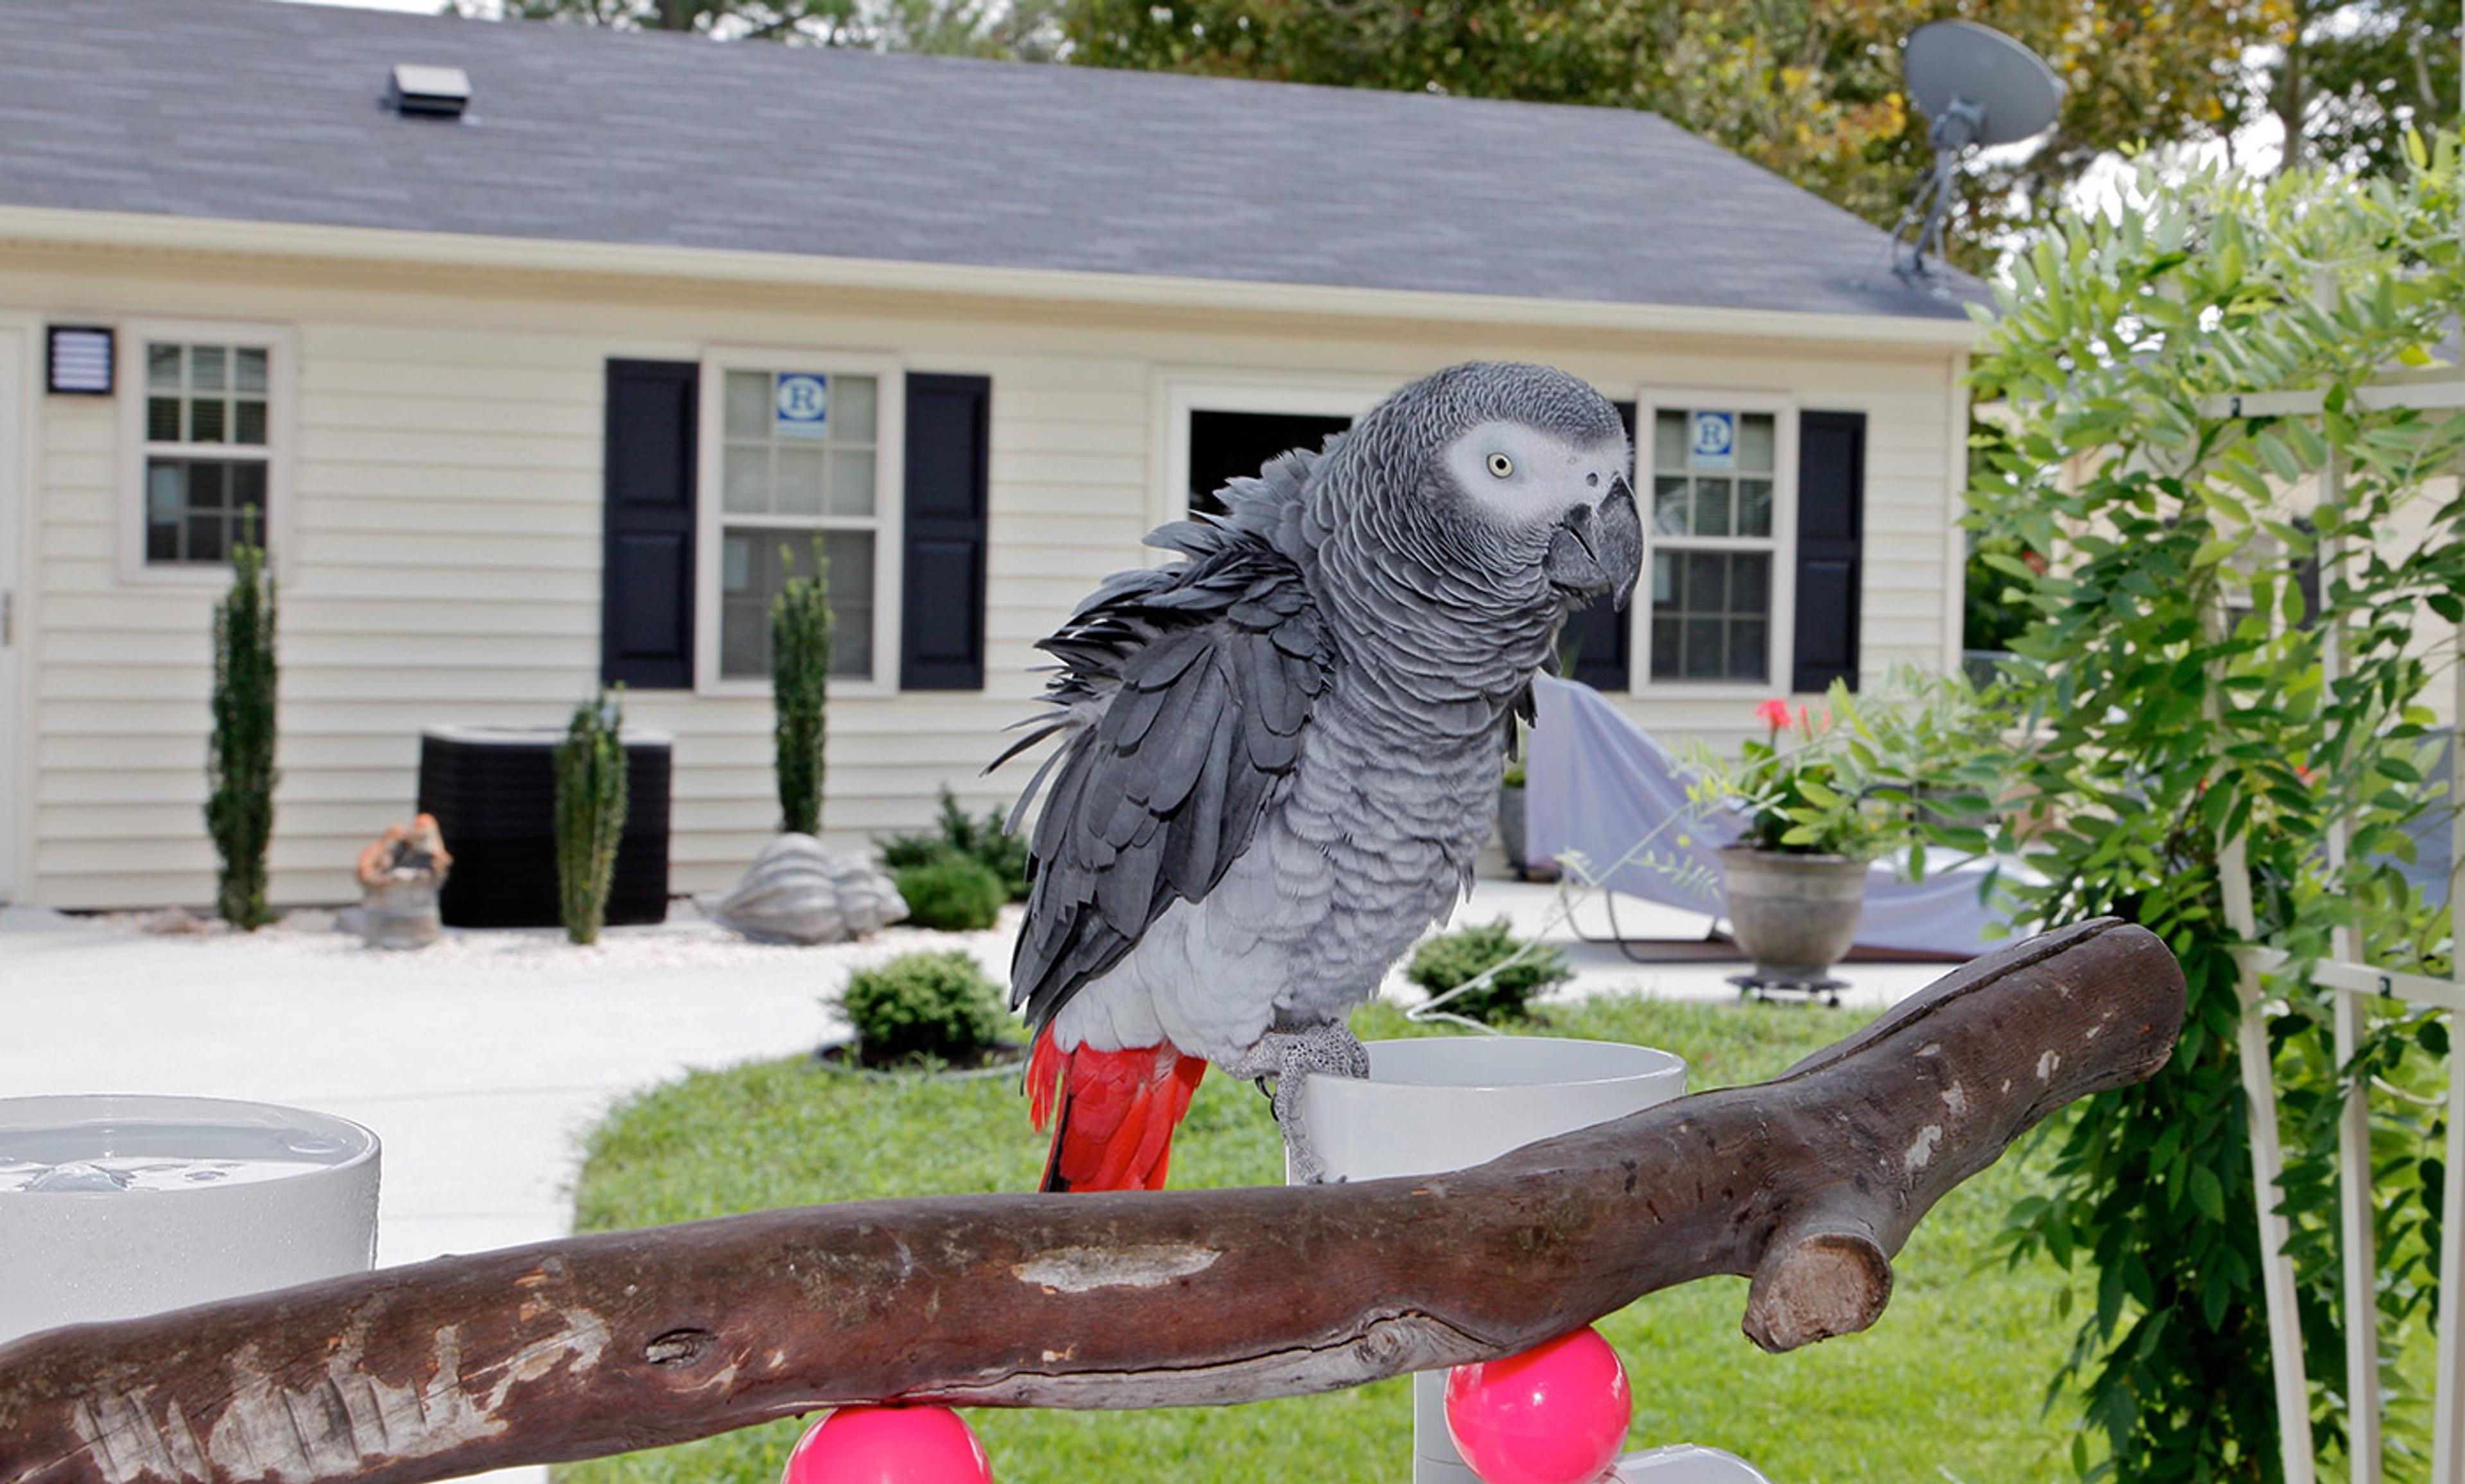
603,1344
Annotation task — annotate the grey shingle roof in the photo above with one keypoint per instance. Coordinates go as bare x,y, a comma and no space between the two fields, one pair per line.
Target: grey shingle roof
253,110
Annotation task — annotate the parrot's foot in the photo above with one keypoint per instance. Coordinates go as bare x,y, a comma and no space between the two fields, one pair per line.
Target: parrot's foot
1290,1057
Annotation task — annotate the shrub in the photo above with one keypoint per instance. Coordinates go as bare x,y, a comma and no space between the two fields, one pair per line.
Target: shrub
952,892
239,754
941,1005
589,813
957,834
1452,959
800,672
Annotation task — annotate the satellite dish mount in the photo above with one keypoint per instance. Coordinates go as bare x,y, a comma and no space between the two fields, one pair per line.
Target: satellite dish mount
1981,88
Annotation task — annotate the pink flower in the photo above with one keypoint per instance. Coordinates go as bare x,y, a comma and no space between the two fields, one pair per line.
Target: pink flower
1773,713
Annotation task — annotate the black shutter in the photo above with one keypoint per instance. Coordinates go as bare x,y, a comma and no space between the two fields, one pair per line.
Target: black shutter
646,614
1601,634
1830,535
941,617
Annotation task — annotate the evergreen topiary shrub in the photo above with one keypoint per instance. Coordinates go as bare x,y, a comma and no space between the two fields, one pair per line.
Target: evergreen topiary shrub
239,752
955,894
938,1006
800,672
957,832
589,812
1453,959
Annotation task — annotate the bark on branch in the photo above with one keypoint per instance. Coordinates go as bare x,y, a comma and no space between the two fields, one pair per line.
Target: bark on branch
602,1344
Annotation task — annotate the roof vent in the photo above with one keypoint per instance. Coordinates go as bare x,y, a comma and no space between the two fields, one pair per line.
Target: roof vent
430,92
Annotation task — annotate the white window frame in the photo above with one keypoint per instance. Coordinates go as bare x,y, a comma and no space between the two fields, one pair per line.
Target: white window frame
889,522
281,344
1650,402
1177,393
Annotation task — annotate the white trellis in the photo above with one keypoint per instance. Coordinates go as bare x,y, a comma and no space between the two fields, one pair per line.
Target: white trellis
2354,983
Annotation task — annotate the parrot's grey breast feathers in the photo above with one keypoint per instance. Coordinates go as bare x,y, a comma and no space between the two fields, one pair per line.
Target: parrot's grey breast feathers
1183,692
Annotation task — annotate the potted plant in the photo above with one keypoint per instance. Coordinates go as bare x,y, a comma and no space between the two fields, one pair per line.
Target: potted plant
1826,793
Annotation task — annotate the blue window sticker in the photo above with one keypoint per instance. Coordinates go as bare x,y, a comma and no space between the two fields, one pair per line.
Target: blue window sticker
1712,440
804,406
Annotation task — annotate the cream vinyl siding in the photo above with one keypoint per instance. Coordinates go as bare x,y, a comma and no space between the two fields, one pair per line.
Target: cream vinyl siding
441,559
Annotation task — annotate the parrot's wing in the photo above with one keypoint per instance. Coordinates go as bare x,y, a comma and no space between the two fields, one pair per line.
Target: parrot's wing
1184,691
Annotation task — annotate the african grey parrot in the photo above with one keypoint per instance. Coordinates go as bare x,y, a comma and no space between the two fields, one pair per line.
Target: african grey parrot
1282,754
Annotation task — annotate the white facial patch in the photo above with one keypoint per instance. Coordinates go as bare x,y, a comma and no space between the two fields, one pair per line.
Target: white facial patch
1524,476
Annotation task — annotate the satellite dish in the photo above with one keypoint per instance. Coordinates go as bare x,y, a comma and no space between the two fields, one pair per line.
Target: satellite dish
1980,87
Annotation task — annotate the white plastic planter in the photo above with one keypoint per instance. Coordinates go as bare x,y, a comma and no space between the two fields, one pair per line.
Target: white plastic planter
113,1206
1444,1103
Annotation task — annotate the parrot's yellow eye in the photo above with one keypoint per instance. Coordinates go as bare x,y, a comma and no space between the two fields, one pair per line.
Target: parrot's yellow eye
1501,465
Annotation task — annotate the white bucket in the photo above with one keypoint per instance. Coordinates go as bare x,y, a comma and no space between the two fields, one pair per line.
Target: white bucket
1446,1103
113,1206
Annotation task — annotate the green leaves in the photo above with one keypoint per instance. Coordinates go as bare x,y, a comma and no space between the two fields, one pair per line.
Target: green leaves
2175,695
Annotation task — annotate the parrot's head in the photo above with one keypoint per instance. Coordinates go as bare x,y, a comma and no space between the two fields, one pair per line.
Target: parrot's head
1511,480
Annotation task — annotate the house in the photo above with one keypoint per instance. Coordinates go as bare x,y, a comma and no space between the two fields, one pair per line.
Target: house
546,351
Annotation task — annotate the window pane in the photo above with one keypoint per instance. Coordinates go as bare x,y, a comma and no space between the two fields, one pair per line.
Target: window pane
163,489
1750,585
1755,442
206,367
797,487
853,410
1710,507
745,479
205,420
851,557
749,404
162,366
1700,656
247,492
1754,507
851,480
1668,505
248,370
208,534
163,541
163,419
1748,646
1669,441
750,563
204,486
247,423
1707,582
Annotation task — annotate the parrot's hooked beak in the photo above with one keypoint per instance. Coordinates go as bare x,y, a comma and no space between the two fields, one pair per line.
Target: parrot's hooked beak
1598,548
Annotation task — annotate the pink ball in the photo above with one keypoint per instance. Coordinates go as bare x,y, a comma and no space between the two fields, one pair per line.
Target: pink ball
889,1444
1555,1414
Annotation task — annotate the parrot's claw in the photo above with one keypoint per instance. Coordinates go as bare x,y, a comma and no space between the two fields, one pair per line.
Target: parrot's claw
1289,1057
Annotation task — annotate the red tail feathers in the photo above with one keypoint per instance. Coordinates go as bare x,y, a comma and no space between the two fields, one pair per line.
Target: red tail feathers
1117,1111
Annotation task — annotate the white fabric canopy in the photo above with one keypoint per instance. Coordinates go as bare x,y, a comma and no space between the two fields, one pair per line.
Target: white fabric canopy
1598,785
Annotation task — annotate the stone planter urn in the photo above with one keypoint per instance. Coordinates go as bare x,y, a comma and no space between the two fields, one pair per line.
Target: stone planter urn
1793,914
399,877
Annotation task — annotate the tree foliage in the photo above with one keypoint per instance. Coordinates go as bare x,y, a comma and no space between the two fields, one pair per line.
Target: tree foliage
2180,697
590,807
800,677
2353,77
1021,30
1808,88
239,750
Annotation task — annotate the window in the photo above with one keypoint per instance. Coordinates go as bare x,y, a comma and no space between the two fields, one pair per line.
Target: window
1714,491
206,450
799,454
1227,446
1213,429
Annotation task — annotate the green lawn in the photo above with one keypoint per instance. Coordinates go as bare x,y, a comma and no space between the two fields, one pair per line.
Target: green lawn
1946,1388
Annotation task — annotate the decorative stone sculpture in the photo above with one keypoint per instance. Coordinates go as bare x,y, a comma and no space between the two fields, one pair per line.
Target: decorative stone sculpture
399,875
798,893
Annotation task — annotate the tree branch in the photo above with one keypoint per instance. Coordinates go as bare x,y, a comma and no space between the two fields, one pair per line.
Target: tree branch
604,1345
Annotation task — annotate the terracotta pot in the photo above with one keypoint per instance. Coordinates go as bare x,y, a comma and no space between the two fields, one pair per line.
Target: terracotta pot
1793,914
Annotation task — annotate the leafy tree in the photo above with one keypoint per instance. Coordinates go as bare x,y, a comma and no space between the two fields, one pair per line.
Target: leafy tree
239,750
1022,30
1808,88
2183,699
2354,76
